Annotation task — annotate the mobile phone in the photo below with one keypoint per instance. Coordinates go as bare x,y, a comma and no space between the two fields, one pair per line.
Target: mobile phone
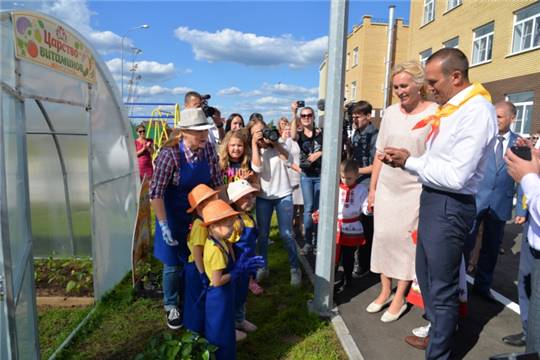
301,103
523,152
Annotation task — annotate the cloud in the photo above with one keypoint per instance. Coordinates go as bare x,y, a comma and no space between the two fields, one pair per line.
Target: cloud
156,90
77,14
229,91
252,49
149,70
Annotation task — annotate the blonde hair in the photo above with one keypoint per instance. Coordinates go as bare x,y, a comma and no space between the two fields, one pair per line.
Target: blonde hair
283,121
224,159
413,68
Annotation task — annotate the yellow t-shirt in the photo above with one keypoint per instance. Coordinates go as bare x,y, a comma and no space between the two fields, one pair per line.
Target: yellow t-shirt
214,258
197,236
237,233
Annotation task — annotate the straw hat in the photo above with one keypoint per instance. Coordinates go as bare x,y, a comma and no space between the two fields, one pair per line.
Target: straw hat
193,119
217,210
238,189
199,193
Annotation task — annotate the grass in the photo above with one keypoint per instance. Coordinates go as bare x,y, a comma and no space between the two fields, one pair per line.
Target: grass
122,325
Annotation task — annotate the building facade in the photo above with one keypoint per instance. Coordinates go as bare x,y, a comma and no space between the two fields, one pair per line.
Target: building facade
365,61
501,40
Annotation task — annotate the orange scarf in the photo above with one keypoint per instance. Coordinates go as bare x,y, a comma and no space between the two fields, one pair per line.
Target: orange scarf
448,109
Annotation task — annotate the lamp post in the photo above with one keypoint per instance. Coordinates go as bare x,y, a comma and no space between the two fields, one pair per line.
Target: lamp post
145,26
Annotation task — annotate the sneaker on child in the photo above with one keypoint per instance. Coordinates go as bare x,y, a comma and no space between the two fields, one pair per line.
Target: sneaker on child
296,277
174,320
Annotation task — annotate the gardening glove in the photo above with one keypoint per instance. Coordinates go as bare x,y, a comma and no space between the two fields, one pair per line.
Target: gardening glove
239,267
255,263
204,280
166,233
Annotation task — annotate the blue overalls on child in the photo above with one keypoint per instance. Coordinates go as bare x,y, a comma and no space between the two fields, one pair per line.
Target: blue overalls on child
219,326
246,243
176,204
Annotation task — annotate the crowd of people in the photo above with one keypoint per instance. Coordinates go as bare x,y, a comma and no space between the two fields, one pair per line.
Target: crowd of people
426,193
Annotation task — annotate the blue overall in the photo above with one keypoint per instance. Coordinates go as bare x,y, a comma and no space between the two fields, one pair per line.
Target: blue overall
219,326
194,299
176,205
246,243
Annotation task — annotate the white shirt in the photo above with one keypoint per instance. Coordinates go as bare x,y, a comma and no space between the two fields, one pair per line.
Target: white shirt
531,188
352,202
273,172
456,158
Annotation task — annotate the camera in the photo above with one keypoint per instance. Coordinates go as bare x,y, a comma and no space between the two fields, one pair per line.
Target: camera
300,104
270,134
208,110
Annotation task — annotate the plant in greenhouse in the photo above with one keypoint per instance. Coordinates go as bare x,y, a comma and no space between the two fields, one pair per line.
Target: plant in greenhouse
71,276
189,345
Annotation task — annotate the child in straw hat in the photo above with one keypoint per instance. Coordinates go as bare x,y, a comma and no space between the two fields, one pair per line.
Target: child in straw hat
223,270
242,197
195,279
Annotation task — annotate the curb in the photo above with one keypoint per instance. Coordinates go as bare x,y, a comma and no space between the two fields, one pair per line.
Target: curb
342,332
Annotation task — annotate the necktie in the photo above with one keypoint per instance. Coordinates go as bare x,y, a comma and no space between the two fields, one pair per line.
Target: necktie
499,151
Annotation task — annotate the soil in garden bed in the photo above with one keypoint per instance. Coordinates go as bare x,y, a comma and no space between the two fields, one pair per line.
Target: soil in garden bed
63,277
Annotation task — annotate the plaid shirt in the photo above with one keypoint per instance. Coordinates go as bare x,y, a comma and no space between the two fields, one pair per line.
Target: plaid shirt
167,167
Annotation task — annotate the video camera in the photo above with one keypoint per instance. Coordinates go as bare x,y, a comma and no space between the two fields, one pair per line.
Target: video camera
209,111
270,134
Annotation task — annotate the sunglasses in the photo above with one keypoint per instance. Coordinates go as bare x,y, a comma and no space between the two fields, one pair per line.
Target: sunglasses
141,131
306,116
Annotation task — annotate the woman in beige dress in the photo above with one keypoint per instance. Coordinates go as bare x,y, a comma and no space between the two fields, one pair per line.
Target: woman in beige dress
394,194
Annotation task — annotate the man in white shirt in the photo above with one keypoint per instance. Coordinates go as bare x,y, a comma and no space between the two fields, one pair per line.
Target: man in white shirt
527,174
463,134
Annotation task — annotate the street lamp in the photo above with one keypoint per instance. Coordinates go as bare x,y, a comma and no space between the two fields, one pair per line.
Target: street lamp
145,26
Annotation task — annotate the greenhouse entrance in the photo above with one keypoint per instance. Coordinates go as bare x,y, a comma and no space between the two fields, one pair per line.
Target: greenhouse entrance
68,174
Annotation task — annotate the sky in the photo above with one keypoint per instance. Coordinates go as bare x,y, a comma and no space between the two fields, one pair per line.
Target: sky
250,56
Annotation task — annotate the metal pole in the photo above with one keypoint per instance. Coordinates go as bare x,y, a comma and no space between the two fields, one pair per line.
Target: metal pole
326,246
122,66
389,55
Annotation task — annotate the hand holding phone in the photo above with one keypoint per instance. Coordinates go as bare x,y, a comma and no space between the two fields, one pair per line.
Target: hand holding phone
523,152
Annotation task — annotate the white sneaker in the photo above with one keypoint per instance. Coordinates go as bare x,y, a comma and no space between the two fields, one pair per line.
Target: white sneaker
296,277
174,320
262,273
421,331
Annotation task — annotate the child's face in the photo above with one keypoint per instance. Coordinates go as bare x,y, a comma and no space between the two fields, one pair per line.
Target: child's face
348,177
203,204
222,229
235,149
246,202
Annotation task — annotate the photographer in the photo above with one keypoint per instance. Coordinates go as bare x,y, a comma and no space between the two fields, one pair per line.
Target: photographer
310,141
193,100
269,160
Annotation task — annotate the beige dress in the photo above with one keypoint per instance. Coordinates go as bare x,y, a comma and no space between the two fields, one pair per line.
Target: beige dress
397,198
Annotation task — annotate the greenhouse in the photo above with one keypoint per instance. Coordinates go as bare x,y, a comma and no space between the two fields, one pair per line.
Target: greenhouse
68,171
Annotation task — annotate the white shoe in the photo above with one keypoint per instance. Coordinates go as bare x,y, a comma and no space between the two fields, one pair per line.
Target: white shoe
389,317
246,326
375,308
421,331
240,336
296,277
262,273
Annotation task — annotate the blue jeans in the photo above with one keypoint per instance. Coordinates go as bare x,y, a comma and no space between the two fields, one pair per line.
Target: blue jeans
172,284
284,209
311,188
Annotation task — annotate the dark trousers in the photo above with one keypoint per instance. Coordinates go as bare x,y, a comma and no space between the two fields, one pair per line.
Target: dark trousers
346,255
363,253
533,330
444,223
491,244
524,278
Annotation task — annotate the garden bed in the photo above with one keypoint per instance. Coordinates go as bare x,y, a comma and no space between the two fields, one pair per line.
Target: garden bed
63,277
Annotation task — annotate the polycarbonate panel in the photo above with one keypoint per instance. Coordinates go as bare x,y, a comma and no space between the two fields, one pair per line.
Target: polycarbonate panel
114,217
35,122
66,118
37,80
113,149
47,198
75,152
7,60
24,317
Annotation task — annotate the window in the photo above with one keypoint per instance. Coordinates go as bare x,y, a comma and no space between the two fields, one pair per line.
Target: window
346,91
482,44
450,4
353,91
527,29
355,57
452,43
347,63
524,105
429,11
424,55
